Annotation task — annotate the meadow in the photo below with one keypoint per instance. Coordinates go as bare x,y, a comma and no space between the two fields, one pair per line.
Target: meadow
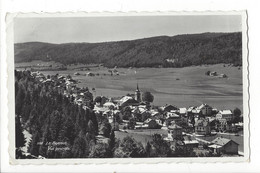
183,87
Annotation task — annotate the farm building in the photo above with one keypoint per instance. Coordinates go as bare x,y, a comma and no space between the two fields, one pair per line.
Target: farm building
224,145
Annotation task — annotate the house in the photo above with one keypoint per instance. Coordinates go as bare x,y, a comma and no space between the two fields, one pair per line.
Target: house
169,108
212,122
190,141
224,145
170,117
127,101
225,114
222,76
193,111
205,110
159,121
213,73
152,124
109,105
90,74
154,113
183,111
175,132
223,125
202,127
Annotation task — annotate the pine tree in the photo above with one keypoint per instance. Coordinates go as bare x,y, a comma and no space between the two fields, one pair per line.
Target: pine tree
19,101
19,137
148,149
79,146
112,141
34,149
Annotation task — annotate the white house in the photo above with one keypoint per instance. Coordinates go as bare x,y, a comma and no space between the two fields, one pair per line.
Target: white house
225,114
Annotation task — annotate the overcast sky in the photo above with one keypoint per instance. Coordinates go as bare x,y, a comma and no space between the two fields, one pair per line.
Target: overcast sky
102,29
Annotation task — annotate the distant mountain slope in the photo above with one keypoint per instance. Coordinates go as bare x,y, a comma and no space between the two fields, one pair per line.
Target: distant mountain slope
176,51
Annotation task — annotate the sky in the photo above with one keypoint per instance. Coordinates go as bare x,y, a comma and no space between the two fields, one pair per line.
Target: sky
104,29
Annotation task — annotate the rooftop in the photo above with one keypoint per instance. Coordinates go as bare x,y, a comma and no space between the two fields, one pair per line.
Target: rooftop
174,126
221,141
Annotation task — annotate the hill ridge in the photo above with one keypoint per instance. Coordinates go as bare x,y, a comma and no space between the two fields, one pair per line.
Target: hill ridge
165,51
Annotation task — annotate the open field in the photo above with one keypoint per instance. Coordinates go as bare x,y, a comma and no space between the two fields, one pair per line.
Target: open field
182,87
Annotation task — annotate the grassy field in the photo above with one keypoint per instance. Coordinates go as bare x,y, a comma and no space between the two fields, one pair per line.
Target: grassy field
182,87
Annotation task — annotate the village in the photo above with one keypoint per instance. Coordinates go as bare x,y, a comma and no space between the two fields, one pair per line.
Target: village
179,125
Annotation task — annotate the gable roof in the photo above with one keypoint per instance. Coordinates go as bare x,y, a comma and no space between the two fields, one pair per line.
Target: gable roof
169,108
222,141
225,112
204,105
174,126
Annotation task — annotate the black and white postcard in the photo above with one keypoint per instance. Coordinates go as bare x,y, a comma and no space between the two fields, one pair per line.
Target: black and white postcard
128,87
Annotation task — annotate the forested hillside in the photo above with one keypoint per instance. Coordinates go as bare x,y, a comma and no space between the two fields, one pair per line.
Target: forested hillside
176,51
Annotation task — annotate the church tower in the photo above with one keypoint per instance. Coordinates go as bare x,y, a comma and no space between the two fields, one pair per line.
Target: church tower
137,94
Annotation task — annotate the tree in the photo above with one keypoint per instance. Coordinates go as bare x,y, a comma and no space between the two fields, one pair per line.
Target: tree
98,99
19,100
131,123
147,97
105,129
148,148
112,140
34,149
79,146
126,112
237,114
101,150
19,137
128,147
207,73
162,148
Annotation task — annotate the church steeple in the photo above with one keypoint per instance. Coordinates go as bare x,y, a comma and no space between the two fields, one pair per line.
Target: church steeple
137,94
137,88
